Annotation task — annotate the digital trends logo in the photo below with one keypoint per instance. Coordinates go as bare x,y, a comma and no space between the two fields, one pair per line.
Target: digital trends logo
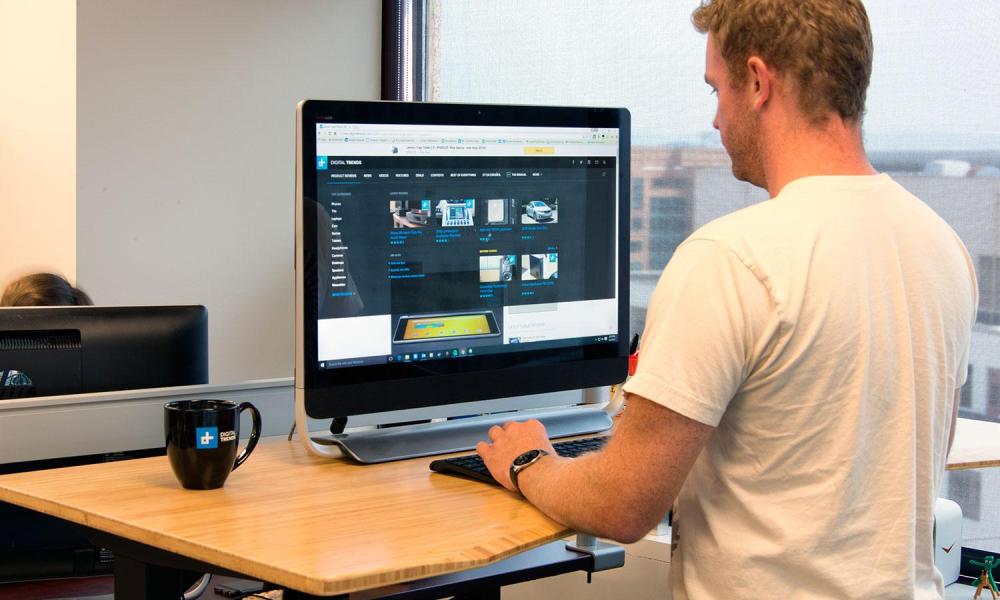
206,438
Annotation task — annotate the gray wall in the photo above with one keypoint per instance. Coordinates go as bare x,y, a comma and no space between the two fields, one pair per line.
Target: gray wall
185,155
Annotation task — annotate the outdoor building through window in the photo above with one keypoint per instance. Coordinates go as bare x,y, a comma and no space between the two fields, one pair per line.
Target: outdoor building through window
932,122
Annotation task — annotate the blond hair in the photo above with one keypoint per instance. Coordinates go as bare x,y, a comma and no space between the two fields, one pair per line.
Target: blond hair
824,47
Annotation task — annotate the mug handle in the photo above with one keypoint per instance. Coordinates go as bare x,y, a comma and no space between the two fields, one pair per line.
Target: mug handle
254,433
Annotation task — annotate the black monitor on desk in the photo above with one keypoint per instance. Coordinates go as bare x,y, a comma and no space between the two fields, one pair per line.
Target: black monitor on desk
516,284
47,351
56,350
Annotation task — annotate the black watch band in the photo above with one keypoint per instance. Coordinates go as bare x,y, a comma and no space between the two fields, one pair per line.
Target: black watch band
524,461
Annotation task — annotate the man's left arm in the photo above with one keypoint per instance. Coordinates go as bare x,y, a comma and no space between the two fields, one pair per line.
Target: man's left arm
621,492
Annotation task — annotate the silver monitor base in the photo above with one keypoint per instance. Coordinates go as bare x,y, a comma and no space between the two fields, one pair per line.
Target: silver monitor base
456,435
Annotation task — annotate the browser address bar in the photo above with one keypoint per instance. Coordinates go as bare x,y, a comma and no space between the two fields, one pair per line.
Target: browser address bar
491,131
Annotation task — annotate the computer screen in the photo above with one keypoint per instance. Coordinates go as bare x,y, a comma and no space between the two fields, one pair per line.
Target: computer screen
450,253
55,350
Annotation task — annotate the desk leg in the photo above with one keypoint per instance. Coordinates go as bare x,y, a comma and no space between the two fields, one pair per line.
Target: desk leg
136,580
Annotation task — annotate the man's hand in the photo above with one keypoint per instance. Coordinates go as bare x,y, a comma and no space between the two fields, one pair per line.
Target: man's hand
509,442
620,492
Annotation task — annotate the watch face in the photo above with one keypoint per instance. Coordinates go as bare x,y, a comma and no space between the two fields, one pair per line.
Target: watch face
526,458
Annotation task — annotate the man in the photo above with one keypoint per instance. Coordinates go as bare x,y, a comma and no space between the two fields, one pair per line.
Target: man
800,366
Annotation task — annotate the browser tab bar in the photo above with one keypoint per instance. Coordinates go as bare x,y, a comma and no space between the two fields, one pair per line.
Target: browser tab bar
435,140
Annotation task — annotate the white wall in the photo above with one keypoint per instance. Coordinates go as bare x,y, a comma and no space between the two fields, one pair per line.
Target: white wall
186,114
37,138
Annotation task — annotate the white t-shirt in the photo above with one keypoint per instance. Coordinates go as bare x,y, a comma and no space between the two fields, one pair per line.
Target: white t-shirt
823,333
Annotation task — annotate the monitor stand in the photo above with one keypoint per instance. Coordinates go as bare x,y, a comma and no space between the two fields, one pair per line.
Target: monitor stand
454,435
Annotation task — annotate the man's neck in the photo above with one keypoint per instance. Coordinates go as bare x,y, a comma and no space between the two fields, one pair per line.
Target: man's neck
799,150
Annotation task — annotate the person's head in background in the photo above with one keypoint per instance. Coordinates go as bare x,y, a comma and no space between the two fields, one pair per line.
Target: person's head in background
43,289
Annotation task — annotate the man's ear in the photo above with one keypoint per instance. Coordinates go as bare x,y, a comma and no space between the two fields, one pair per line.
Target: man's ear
761,79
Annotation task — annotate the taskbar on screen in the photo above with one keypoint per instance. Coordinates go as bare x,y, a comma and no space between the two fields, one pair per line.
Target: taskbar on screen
459,351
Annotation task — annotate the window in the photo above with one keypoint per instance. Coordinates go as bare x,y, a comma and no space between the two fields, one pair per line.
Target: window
988,273
965,396
638,196
966,488
993,396
942,143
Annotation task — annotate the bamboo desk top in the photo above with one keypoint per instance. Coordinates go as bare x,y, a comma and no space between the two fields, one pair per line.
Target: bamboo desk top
316,525
976,445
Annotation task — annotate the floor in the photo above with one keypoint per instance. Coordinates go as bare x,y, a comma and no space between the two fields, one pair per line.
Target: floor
645,578
89,587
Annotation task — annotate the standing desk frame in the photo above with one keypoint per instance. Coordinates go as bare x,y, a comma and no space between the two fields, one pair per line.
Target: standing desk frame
145,572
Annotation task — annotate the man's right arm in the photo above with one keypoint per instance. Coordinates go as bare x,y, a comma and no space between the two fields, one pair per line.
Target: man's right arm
621,492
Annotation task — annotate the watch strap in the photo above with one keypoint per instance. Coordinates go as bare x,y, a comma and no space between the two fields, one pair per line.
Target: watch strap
522,462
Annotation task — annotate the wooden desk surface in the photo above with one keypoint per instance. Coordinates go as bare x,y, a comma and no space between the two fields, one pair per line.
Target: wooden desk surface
976,445
317,525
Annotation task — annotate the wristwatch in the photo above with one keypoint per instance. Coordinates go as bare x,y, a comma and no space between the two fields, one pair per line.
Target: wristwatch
524,461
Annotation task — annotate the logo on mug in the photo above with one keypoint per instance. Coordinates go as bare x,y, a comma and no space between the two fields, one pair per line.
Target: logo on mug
227,436
206,438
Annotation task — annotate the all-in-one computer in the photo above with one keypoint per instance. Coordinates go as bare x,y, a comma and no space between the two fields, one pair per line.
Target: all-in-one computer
515,284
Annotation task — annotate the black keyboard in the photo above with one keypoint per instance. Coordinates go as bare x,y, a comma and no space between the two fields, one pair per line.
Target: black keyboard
472,465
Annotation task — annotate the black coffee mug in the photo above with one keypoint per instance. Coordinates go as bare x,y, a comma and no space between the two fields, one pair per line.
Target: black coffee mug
202,438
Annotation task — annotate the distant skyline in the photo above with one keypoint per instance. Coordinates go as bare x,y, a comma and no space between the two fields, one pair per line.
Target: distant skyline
934,83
